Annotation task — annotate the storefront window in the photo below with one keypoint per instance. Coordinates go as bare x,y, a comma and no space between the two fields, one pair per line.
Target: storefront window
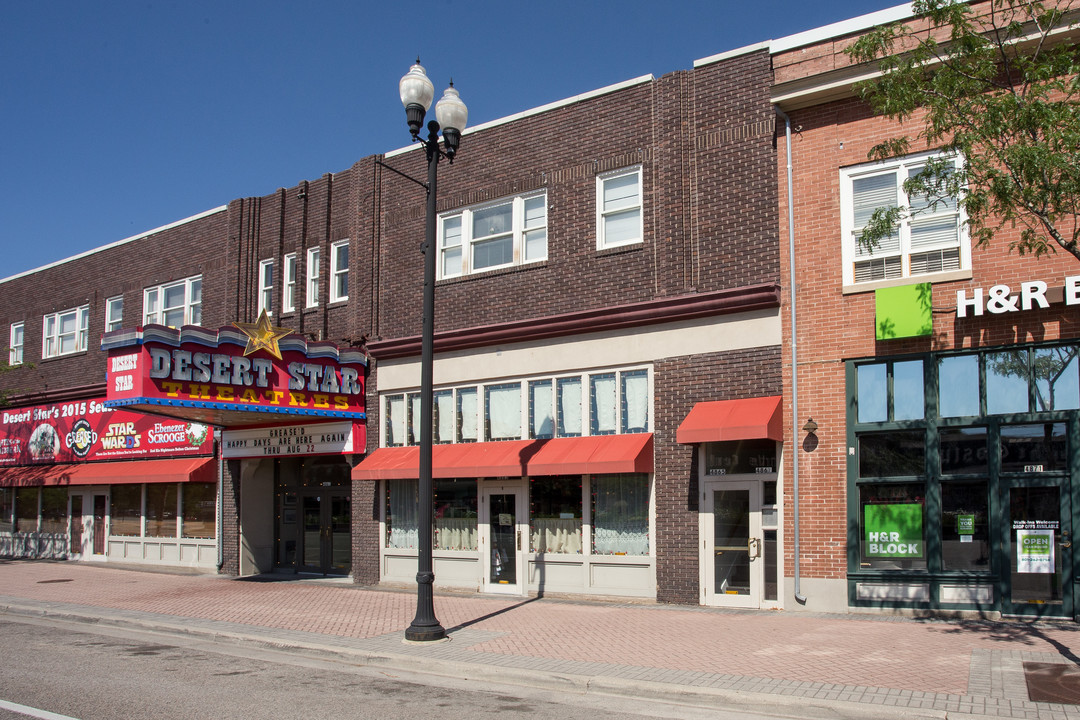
199,510
401,514
541,409
958,386
965,526
620,514
737,457
54,510
467,414
964,451
568,399
635,401
125,510
161,500
602,397
555,517
891,526
892,454
1035,448
7,506
1057,383
455,514
908,383
1007,382
443,424
26,510
502,411
873,393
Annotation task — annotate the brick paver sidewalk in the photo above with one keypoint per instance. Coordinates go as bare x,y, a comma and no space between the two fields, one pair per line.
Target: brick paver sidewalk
959,666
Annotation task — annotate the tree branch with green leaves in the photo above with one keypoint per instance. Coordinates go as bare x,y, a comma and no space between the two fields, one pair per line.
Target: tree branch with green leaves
997,85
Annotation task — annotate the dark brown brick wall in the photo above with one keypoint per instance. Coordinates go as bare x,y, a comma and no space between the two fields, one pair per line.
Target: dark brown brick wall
679,384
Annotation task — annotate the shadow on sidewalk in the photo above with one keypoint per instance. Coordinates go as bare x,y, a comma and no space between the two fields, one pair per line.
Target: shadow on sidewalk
482,618
1023,633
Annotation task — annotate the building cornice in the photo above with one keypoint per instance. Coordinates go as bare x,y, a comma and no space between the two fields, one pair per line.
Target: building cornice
663,310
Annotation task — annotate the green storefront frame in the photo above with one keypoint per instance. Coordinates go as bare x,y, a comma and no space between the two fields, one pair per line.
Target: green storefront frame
978,476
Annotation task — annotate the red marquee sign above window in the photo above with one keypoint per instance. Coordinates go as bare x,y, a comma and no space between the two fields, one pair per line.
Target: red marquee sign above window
233,377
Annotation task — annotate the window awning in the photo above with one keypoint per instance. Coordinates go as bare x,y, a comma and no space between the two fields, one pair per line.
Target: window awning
201,469
515,458
750,419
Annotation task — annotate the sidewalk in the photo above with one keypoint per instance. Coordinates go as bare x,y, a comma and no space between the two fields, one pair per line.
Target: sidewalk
814,665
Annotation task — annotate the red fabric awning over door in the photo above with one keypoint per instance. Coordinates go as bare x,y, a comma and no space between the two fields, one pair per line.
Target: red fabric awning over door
201,469
750,419
515,458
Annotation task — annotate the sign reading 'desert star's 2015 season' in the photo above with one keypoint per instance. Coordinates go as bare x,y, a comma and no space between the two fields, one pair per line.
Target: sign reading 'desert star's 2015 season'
251,367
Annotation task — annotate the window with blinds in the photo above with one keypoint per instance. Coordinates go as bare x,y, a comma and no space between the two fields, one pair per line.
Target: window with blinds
929,238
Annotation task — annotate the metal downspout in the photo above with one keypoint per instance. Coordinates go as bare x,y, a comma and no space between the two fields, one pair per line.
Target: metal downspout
799,597
220,499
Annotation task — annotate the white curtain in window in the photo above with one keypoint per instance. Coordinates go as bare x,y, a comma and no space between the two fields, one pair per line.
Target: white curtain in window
395,420
569,407
467,414
541,410
555,535
444,417
603,404
636,401
504,411
620,515
455,533
414,419
402,527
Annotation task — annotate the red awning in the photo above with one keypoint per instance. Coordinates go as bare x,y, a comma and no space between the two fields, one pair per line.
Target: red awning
751,419
201,469
515,458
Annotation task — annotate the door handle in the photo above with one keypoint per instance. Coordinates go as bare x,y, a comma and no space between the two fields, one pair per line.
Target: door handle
753,547
519,540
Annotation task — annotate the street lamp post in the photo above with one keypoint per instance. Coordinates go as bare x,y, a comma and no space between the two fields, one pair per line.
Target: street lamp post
451,115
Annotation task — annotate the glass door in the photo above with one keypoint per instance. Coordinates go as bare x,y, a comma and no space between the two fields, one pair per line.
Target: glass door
76,516
731,550
100,504
325,533
502,534
1038,546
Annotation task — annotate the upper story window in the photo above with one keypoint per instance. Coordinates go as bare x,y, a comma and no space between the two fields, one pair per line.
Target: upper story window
65,332
508,232
594,403
15,344
288,283
929,238
266,287
618,208
312,277
339,271
114,313
174,304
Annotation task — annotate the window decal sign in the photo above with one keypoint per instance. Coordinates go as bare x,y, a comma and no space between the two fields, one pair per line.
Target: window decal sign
88,430
893,530
1035,551
965,527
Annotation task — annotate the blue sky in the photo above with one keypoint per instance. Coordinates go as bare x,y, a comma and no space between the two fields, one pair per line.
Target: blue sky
120,117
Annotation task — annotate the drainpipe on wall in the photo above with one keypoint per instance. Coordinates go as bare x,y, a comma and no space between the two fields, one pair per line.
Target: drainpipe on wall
799,597
220,499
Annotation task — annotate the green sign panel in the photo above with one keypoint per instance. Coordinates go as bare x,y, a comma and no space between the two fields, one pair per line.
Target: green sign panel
893,531
903,312
965,524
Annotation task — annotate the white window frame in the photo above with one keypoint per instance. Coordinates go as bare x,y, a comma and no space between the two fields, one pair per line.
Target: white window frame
460,224
339,271
114,313
899,257
401,419
602,213
16,338
266,286
52,338
312,265
288,283
154,310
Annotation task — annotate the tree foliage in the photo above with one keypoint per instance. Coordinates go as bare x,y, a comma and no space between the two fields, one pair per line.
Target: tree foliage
999,85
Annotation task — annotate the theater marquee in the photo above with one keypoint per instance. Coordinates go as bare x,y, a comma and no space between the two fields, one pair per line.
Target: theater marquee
242,376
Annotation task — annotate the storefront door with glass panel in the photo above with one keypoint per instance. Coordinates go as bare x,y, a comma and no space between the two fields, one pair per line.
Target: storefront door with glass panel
502,537
1038,546
732,543
325,539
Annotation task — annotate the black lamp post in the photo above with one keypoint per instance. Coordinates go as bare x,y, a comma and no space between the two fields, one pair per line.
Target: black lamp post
416,95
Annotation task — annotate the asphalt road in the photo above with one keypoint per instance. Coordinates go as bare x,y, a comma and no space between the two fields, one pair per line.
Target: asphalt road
101,673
